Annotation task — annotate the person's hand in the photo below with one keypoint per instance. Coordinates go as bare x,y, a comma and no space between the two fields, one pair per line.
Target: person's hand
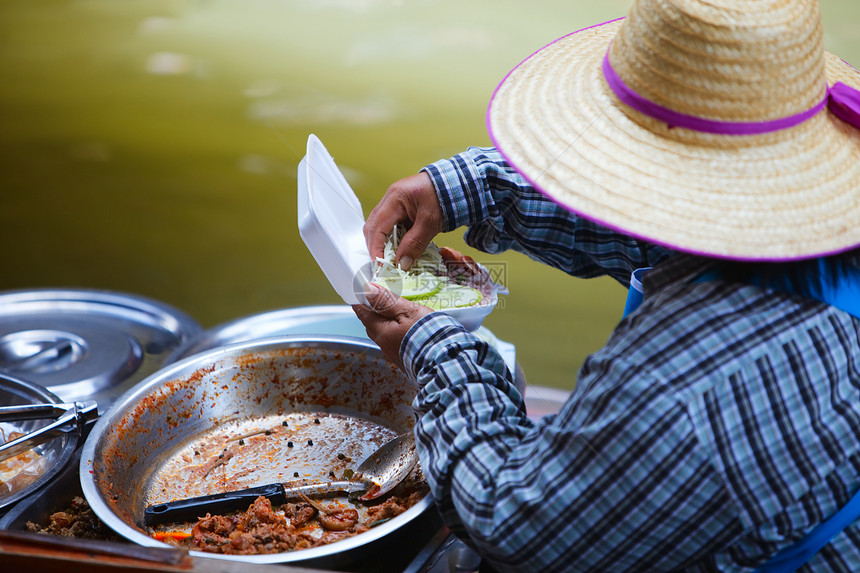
387,318
411,201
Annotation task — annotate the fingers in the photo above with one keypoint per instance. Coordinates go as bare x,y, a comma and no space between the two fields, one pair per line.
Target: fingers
389,306
450,254
387,318
372,322
380,223
411,201
378,329
413,244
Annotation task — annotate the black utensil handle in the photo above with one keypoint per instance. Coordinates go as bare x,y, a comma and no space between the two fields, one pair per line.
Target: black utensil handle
193,508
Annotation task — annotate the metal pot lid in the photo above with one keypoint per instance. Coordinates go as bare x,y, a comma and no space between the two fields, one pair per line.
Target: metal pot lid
52,455
87,344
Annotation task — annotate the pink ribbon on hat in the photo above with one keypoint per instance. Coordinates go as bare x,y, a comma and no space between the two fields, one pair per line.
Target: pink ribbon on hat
844,102
841,100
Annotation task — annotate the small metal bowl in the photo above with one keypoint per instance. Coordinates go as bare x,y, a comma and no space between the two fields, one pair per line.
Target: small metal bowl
56,453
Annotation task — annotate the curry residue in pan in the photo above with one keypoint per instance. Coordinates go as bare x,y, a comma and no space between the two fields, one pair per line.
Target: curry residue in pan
304,446
292,448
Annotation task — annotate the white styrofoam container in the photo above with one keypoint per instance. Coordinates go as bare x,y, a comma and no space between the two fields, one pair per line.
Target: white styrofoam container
331,225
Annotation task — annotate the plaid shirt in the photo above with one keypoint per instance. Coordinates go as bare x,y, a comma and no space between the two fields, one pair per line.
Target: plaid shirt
719,423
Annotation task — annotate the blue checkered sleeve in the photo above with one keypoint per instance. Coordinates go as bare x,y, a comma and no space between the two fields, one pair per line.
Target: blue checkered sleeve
502,211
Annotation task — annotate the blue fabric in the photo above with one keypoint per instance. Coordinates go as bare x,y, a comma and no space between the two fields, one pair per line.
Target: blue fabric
842,293
636,293
793,557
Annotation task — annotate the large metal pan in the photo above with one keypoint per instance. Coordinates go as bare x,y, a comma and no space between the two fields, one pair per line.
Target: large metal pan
337,394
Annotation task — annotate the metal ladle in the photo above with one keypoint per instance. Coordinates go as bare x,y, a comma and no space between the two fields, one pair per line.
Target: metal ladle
378,474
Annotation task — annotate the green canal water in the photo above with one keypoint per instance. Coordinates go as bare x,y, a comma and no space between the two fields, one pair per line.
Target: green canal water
150,147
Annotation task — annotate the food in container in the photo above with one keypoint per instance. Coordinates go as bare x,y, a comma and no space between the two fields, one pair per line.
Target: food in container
19,471
76,520
25,473
441,278
267,528
304,446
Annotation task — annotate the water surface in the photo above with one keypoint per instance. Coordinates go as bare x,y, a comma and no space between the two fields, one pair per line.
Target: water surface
150,147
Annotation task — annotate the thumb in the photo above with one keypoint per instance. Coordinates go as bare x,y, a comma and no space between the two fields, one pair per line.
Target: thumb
383,301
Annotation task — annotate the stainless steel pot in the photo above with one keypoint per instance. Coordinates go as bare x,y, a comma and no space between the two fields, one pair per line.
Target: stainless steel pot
143,450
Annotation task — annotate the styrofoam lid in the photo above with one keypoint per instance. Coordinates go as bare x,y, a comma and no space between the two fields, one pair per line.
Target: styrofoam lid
331,223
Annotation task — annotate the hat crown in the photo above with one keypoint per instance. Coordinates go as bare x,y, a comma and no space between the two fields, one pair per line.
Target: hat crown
727,60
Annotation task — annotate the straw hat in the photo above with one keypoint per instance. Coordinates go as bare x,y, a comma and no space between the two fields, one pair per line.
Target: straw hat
697,155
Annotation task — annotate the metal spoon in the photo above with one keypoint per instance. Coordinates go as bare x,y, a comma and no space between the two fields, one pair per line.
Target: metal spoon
378,474
387,466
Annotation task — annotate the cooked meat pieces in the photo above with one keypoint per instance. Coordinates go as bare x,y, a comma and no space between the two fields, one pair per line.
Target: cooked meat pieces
392,507
19,471
78,520
339,520
262,529
256,531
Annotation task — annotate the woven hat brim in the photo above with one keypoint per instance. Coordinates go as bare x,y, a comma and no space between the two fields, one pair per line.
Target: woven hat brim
786,195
